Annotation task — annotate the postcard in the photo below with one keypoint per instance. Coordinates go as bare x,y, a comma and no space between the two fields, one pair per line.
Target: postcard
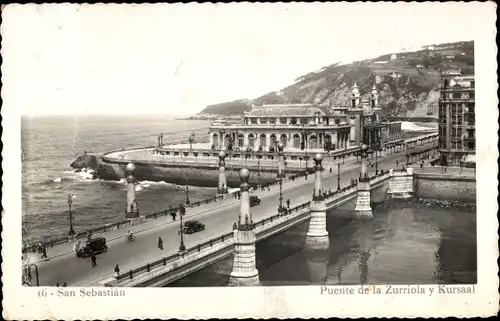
249,160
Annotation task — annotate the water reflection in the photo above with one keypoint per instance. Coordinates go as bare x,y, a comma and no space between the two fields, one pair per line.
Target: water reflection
399,246
316,262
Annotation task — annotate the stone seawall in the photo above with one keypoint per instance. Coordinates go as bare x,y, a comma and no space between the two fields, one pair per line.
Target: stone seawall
195,176
446,187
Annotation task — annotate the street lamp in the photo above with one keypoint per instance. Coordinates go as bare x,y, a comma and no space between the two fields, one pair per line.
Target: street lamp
70,202
191,141
187,191
281,174
182,211
363,174
338,176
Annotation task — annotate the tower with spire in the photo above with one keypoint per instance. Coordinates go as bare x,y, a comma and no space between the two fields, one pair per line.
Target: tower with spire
355,96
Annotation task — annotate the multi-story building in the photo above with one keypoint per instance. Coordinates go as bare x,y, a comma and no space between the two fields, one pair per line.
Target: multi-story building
457,124
308,126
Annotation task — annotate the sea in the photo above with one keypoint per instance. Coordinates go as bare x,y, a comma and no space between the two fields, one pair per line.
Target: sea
49,145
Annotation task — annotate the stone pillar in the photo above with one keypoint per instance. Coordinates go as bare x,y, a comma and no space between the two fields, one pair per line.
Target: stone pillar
222,185
244,267
363,208
401,184
211,139
317,235
132,210
245,141
281,161
268,141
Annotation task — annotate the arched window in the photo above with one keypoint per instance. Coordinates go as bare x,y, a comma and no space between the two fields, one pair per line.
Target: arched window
274,141
251,141
241,140
313,142
296,141
283,139
227,140
263,140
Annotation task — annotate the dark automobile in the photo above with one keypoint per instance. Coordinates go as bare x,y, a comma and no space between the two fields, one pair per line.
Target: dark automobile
254,201
191,227
96,245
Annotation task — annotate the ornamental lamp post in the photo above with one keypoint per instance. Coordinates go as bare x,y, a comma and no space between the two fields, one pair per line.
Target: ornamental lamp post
338,176
182,211
191,140
70,202
187,191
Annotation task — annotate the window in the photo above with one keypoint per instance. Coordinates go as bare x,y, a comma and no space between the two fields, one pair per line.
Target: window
456,95
471,95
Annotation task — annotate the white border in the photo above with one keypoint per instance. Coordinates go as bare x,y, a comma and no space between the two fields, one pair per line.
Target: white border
265,302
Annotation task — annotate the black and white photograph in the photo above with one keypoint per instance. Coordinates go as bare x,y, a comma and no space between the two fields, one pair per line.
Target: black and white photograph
333,150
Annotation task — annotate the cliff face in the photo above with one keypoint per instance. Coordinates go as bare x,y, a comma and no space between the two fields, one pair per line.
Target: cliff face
407,82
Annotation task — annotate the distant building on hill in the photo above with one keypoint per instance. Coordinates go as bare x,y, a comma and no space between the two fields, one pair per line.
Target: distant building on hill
394,57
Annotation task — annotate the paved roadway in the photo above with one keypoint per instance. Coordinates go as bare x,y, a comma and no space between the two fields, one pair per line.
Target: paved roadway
78,271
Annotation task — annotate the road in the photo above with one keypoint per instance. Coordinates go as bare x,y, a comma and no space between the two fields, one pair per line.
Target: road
128,255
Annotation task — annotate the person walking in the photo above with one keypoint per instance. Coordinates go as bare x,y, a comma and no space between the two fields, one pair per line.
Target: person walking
65,284
93,259
117,271
160,243
288,203
44,252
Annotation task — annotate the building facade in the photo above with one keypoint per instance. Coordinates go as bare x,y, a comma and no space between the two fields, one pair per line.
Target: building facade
307,126
457,123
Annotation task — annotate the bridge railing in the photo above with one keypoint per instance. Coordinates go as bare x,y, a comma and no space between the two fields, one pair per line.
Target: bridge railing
148,267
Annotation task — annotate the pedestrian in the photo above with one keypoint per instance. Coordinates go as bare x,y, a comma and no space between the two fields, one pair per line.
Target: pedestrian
93,259
65,284
268,188
57,284
173,215
397,163
422,166
44,252
117,271
40,247
160,243
288,203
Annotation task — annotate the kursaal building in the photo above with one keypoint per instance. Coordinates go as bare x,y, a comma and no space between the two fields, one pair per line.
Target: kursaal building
308,127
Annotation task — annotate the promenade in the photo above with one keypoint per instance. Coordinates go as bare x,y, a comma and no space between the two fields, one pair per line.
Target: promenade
218,217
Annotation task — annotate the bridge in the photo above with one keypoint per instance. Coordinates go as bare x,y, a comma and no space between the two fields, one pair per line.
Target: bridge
422,119
142,263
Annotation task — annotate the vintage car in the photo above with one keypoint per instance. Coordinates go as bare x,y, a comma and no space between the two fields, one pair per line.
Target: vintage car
96,245
254,201
191,227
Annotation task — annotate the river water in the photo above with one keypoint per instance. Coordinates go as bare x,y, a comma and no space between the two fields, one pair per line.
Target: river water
409,245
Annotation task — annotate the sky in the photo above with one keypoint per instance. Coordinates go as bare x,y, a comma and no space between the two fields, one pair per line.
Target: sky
176,59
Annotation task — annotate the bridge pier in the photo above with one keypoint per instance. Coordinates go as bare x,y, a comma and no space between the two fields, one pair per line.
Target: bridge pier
132,209
401,184
363,209
222,184
317,235
244,271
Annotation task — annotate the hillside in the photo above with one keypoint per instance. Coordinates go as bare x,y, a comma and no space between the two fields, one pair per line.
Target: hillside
407,81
